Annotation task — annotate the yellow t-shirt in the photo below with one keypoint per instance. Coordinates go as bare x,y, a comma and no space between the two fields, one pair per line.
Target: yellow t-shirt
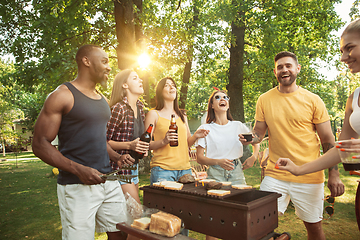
171,158
291,119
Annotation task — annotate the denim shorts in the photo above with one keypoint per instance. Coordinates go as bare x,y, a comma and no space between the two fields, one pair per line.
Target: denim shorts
159,174
134,180
235,176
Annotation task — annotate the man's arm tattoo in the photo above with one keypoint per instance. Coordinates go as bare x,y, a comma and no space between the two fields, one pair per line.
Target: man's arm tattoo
327,146
257,138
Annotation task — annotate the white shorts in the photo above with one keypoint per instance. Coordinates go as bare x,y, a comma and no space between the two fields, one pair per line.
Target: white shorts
86,208
307,198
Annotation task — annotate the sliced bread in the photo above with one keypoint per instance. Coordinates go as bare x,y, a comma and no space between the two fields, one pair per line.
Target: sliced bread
141,223
173,185
241,186
216,192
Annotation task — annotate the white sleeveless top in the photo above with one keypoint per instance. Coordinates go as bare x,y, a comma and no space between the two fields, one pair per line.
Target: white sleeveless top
354,119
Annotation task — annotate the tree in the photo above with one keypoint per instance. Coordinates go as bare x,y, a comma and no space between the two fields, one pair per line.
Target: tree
128,32
261,29
216,43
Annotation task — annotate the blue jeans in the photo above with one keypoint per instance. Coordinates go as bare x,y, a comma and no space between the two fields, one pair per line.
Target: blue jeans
235,176
159,174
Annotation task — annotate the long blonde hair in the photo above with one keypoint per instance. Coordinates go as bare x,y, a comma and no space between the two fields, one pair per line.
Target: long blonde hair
118,92
353,27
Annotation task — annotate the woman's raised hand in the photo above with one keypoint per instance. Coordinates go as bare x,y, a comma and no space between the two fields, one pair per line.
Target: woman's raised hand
201,133
139,146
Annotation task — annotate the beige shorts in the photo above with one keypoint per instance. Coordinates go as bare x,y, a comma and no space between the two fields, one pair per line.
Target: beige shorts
307,198
86,208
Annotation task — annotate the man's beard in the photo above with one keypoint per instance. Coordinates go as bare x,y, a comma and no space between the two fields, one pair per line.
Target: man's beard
286,83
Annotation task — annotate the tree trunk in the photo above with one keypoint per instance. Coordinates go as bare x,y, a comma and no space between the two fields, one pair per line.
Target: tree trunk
139,37
236,70
125,33
187,69
185,84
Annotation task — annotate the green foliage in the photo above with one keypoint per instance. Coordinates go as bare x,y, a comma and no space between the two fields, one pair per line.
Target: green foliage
8,109
44,36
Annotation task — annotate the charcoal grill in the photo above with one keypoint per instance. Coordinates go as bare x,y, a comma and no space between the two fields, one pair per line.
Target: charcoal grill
243,214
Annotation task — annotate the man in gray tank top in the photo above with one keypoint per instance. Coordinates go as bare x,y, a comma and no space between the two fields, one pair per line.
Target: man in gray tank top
78,114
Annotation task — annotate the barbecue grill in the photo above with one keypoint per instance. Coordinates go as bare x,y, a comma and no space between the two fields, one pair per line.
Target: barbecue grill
243,214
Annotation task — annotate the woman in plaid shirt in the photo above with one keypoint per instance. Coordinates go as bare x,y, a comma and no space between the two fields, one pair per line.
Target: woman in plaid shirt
126,123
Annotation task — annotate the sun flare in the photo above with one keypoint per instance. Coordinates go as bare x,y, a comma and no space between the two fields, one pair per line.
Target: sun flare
144,60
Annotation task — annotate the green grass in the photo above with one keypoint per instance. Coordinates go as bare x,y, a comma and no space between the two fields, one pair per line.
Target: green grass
12,155
29,208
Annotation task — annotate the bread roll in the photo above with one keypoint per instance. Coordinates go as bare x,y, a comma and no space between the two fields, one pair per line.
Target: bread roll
165,224
141,223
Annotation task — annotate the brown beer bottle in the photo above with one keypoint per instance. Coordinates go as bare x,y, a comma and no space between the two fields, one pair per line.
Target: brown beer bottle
175,127
145,137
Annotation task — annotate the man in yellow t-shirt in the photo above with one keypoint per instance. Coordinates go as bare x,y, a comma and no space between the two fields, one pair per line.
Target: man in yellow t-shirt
297,121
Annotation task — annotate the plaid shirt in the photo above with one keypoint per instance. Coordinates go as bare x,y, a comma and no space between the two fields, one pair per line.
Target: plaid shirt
121,126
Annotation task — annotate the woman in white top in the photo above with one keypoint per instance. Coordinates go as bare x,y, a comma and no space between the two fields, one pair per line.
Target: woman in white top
350,49
221,148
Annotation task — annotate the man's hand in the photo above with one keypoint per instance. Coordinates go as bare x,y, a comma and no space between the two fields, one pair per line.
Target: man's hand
335,185
88,175
125,160
249,162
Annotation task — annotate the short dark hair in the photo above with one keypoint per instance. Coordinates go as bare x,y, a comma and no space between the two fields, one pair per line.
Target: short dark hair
353,27
285,54
83,51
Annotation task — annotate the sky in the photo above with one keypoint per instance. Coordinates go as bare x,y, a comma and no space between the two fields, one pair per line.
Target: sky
343,10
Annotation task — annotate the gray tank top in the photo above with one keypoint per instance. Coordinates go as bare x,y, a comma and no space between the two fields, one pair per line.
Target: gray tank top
82,135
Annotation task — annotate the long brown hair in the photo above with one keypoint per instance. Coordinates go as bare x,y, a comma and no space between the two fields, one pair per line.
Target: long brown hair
160,102
210,111
118,92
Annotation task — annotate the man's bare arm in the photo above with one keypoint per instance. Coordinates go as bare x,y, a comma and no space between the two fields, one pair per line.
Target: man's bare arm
46,128
327,139
259,131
